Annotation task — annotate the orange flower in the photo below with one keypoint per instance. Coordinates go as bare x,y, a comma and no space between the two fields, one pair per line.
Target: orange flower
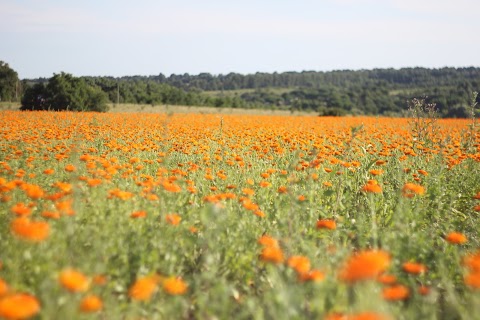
63,186
365,265
372,186
359,316
29,230
117,193
473,280
368,316
144,288
476,208
65,207
396,292
7,186
326,224
414,268
55,196
73,280
94,182
267,241
472,261
174,286
282,189
70,168
173,219
423,290
387,279
264,184
272,254
423,172
21,209
19,306
3,287
99,279
300,264
376,172
49,171
33,191
249,205
193,229
409,190
312,275
138,214
91,303
171,187
259,213
51,214
456,238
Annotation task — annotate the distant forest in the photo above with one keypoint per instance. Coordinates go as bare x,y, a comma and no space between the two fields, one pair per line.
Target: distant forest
363,92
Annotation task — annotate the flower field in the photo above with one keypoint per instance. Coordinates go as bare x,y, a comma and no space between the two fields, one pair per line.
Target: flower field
191,216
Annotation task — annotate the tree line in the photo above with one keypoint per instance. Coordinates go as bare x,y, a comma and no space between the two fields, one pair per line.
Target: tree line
362,92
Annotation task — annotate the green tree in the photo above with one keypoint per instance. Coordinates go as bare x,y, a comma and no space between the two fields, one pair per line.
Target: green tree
9,84
35,98
65,92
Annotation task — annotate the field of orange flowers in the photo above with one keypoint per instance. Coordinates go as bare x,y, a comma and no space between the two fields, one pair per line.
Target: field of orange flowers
190,216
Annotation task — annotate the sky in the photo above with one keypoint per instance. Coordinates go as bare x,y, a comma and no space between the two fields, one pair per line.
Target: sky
146,37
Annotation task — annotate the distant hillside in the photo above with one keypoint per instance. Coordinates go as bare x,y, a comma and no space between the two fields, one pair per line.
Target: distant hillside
369,92
403,78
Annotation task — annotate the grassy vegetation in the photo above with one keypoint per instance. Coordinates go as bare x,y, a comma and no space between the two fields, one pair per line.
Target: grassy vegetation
9,105
143,108
207,216
147,108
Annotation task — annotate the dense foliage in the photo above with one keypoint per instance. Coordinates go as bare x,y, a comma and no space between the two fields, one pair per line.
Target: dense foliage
144,90
64,92
9,84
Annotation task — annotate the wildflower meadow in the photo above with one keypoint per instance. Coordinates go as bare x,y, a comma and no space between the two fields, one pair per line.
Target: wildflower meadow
196,216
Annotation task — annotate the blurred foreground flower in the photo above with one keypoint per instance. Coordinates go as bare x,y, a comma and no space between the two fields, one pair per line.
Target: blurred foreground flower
409,190
272,254
174,286
91,303
74,280
34,231
456,238
19,306
144,287
326,224
395,292
365,265
414,267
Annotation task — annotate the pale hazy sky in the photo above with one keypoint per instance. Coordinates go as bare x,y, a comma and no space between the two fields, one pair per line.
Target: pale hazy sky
148,37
